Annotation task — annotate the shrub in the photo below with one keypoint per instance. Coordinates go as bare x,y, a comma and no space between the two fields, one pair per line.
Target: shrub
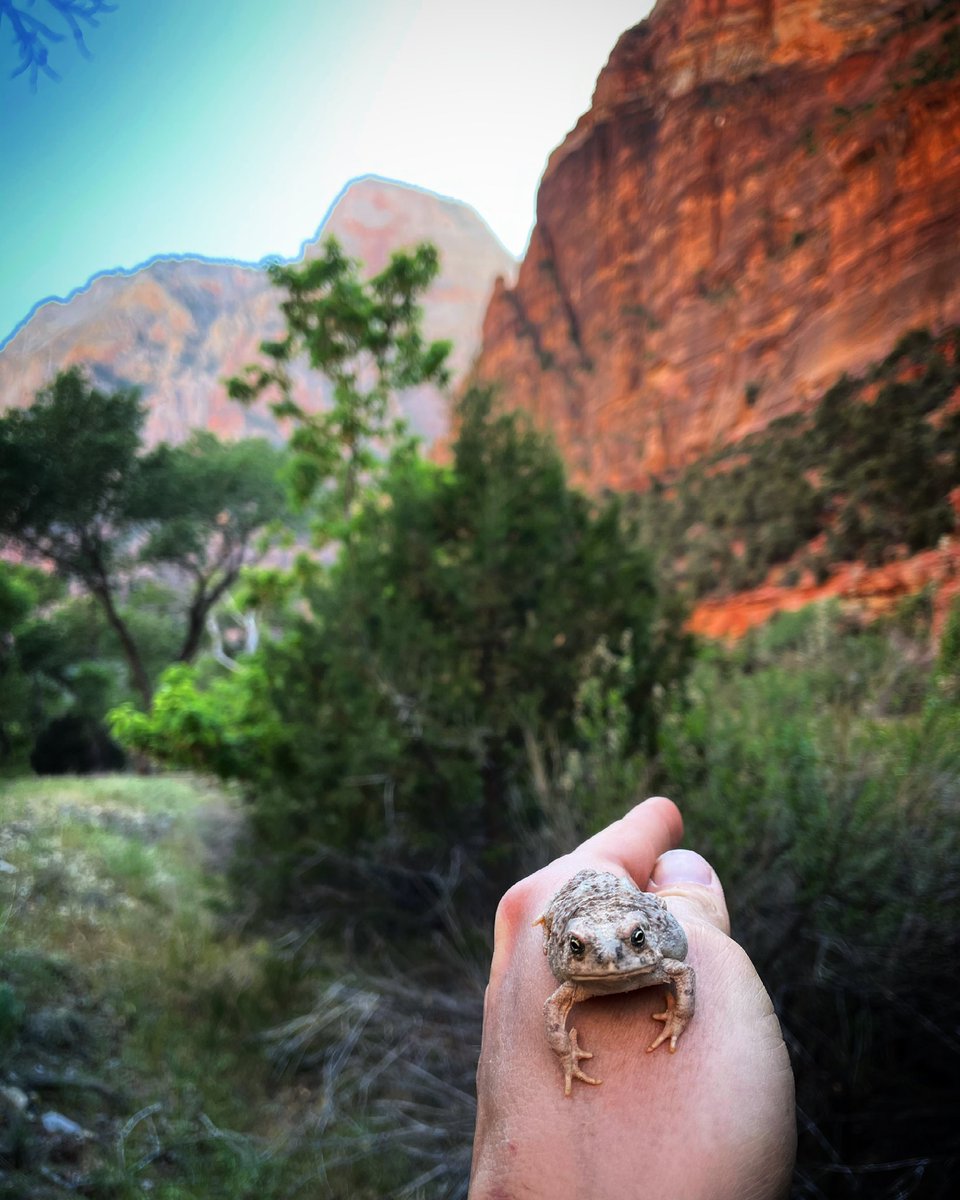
75,745
836,830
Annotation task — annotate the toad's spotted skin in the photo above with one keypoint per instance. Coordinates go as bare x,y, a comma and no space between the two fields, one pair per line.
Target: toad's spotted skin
604,935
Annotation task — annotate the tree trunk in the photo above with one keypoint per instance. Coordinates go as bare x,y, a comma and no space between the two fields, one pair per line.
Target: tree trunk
201,605
196,623
138,672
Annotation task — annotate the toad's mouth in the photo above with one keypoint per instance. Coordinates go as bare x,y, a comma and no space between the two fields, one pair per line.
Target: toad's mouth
612,973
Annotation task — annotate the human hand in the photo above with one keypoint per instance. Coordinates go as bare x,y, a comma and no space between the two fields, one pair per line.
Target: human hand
715,1120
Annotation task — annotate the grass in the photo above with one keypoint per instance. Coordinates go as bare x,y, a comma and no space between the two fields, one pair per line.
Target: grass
128,1004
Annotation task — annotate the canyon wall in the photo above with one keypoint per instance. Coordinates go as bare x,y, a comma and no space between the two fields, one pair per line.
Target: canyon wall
763,195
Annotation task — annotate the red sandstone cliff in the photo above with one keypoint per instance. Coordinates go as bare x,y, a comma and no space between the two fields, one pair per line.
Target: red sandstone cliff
175,328
764,194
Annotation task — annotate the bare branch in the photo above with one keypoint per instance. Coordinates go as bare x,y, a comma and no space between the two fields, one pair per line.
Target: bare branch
33,37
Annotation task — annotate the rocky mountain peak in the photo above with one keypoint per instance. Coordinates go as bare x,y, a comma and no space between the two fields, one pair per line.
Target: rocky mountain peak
177,326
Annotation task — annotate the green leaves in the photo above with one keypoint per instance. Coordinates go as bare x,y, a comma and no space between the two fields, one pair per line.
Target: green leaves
205,498
365,337
65,464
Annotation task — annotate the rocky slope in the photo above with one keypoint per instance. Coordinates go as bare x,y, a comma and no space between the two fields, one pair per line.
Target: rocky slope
764,194
176,327
866,591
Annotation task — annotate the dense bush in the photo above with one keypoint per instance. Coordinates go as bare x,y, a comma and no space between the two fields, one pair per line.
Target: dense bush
75,745
818,766
61,660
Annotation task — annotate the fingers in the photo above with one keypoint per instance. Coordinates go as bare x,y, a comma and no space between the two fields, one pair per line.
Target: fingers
637,840
691,889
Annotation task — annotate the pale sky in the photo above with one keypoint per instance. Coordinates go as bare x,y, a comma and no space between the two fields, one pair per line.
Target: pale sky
226,128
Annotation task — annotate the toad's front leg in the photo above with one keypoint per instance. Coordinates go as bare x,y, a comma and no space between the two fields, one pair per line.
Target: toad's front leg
564,1043
680,978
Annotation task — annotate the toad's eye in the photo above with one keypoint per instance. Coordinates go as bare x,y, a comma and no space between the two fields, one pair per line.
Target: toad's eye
576,947
638,937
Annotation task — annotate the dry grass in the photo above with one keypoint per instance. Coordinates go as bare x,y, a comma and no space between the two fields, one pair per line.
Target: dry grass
389,1059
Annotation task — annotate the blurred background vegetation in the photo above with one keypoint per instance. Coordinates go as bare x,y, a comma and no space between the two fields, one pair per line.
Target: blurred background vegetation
414,683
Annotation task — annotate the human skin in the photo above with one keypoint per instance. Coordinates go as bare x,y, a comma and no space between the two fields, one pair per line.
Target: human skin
714,1121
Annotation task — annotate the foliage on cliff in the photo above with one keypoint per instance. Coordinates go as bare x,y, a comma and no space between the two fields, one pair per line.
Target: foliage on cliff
866,475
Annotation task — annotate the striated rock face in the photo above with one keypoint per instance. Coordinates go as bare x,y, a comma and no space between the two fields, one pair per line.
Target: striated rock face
764,194
866,591
177,327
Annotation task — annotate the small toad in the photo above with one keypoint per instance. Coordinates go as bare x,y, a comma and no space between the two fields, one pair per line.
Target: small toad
604,935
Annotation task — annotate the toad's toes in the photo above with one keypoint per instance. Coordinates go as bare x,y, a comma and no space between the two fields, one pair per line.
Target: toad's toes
571,1070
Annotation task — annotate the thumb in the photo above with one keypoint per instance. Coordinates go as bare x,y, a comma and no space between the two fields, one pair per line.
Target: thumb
691,889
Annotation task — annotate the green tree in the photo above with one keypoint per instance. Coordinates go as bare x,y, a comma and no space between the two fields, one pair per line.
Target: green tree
202,507
431,663
76,490
434,670
478,593
366,338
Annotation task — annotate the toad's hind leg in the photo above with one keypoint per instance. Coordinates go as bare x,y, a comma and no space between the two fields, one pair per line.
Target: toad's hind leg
563,1043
